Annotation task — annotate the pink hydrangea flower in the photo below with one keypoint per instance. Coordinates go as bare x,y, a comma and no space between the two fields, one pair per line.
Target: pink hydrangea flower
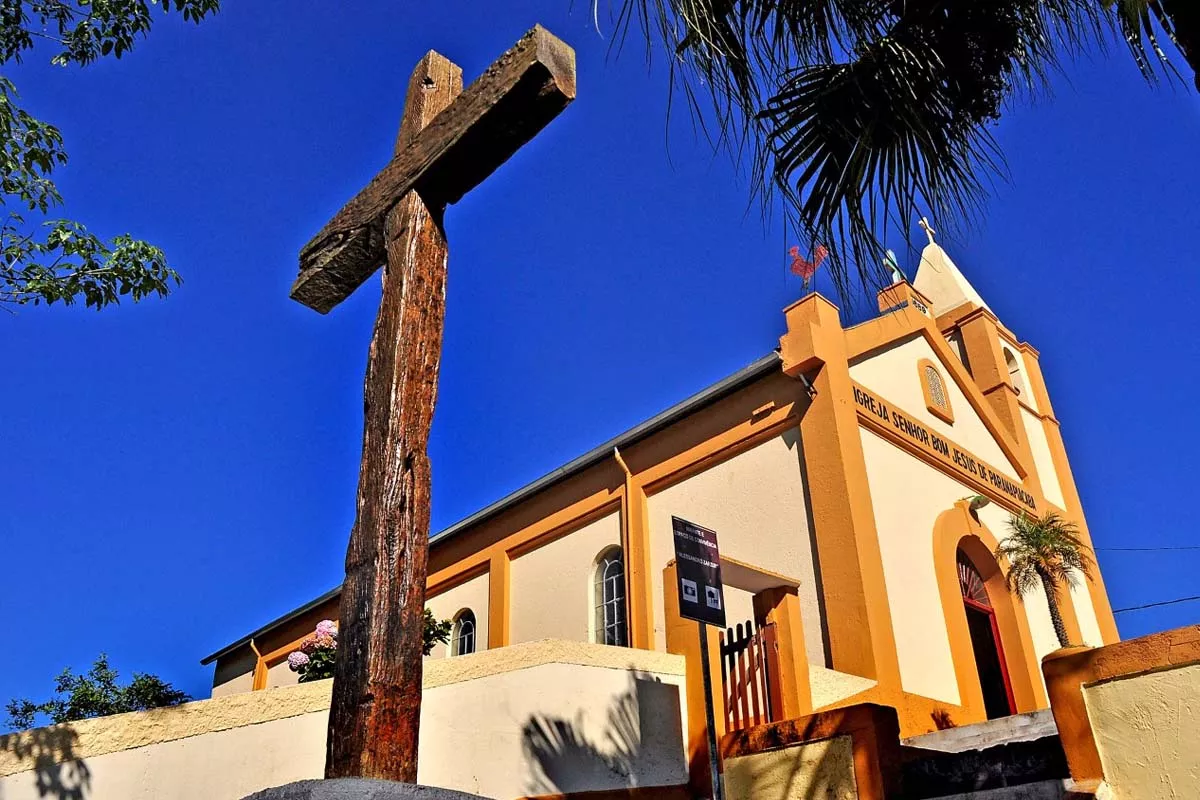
297,660
327,627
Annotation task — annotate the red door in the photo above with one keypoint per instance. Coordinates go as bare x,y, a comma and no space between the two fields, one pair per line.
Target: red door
985,642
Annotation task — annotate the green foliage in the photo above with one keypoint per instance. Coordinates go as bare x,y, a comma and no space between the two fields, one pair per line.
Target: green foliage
46,260
863,114
94,694
1045,551
437,631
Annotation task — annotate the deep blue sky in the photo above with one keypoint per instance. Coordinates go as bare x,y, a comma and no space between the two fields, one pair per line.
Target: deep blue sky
179,472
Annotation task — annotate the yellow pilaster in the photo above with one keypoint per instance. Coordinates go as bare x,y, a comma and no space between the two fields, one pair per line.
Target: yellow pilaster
858,618
781,606
499,599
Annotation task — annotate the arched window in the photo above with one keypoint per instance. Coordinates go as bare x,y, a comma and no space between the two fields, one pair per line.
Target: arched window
970,582
933,386
1014,371
609,599
463,642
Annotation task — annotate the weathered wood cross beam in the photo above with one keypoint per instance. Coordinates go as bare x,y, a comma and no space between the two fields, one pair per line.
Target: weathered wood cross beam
449,141
515,98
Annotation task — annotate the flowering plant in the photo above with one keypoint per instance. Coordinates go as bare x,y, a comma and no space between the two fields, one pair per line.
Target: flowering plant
314,660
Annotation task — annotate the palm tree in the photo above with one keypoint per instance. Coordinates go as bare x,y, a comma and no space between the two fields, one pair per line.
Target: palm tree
1045,551
862,113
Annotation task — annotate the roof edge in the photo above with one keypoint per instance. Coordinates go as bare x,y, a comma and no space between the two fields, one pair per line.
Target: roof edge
704,397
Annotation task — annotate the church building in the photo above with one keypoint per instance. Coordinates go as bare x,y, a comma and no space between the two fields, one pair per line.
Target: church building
858,478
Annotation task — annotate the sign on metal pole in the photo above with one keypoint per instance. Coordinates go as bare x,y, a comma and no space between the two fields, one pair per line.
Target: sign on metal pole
702,598
698,564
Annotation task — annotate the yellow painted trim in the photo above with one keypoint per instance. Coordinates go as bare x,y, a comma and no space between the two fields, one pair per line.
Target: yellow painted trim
944,412
959,529
884,331
499,600
871,408
1066,482
635,544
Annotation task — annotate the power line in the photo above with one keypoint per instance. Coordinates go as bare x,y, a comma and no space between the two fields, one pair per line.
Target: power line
1144,549
1160,603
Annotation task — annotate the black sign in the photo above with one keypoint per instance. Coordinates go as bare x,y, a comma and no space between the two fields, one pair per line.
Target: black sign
698,565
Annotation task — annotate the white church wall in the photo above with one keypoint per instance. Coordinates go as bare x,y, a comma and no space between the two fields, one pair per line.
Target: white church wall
756,502
551,589
490,724
472,594
1035,432
907,497
891,372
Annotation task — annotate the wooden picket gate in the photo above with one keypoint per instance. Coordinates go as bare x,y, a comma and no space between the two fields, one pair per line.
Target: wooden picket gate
749,659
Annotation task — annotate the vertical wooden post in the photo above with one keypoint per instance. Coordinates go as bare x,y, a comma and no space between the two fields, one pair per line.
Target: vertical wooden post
375,710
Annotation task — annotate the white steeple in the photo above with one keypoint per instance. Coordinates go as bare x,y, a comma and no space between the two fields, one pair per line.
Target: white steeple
939,278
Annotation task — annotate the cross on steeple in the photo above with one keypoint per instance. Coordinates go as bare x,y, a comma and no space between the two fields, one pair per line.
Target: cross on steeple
929,231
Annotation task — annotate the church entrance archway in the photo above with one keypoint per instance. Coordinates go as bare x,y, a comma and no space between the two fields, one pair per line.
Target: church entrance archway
986,644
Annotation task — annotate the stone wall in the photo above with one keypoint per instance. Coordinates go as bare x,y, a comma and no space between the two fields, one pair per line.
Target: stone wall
544,717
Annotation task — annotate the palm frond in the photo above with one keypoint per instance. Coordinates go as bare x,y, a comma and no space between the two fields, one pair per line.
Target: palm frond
862,114
1140,22
1044,546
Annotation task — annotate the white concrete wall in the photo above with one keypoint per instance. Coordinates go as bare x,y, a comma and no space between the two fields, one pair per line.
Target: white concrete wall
551,592
541,718
1035,432
756,503
472,594
891,372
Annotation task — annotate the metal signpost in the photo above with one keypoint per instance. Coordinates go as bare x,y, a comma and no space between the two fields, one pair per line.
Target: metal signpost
702,598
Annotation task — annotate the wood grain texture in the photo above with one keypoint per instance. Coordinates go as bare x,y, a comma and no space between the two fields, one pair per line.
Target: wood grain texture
499,112
375,710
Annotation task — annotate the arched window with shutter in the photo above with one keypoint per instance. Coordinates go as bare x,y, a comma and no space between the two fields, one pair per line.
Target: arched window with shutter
937,394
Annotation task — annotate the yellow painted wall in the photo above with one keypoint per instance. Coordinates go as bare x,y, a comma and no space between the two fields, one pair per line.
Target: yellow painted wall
551,591
472,594
891,372
822,769
1036,434
1147,730
756,503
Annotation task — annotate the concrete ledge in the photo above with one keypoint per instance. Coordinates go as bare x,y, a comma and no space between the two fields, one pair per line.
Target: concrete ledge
444,671
95,737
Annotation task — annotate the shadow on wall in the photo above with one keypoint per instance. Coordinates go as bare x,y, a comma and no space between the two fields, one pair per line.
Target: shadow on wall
57,772
641,744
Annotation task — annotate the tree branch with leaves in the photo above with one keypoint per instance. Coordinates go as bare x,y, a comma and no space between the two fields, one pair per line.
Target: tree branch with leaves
44,259
95,693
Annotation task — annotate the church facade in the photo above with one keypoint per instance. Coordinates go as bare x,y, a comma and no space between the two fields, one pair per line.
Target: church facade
859,479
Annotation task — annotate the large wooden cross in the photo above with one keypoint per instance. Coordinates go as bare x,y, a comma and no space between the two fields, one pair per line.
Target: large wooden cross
449,141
